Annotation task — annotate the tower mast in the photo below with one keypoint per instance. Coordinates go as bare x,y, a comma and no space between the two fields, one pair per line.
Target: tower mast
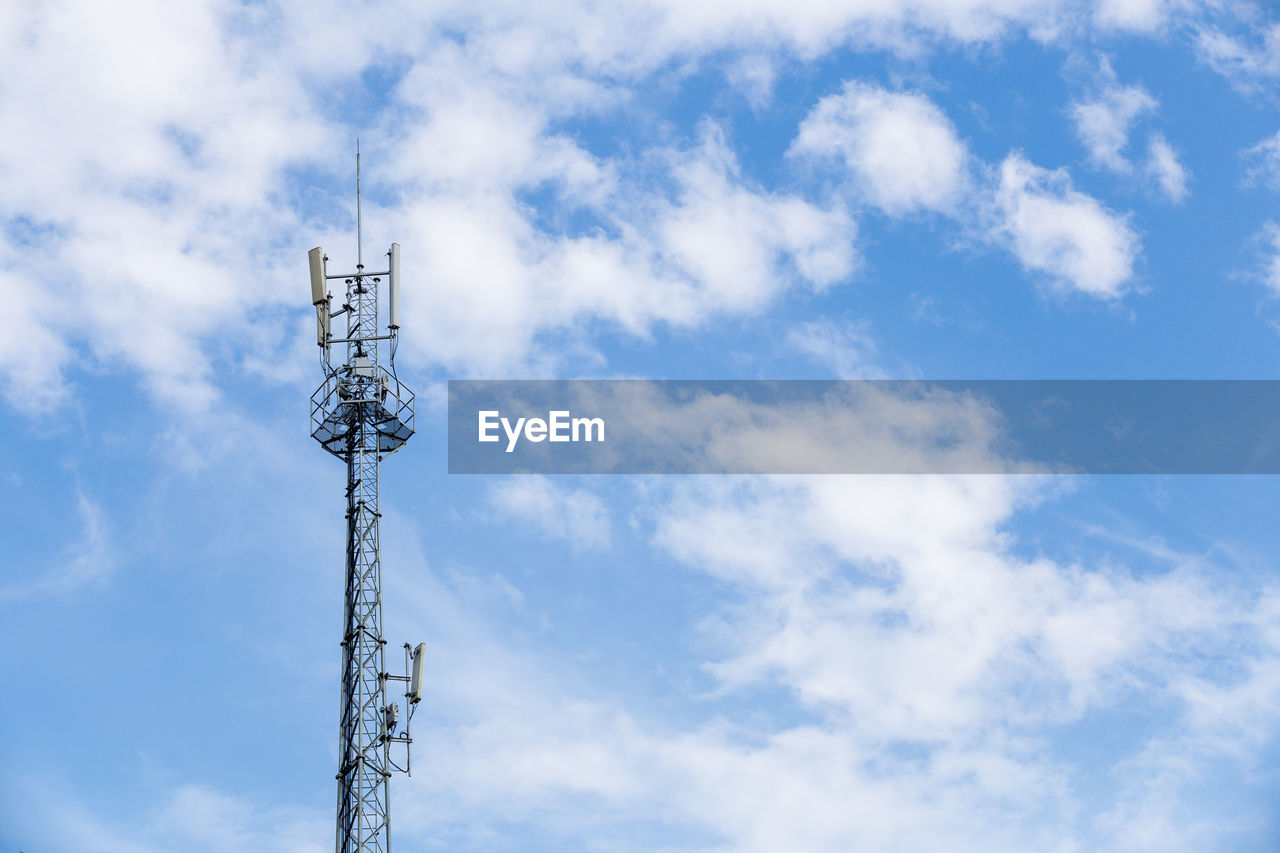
362,413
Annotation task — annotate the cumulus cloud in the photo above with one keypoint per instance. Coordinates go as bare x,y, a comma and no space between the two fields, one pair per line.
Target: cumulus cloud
151,167
576,516
35,349
1166,169
883,666
199,132
878,663
1249,60
1142,16
902,152
1269,254
179,172
1263,162
898,629
730,240
796,544
847,349
1065,234
922,679
893,617
704,242
754,75
1103,123
810,29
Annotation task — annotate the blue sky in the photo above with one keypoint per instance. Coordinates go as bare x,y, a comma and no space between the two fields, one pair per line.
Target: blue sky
962,189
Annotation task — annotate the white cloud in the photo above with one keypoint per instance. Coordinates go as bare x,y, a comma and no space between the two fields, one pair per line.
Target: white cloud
1165,168
196,130
915,670
82,564
888,669
1054,229
1269,252
1263,162
895,628
903,155
754,75
847,349
576,516
33,351
200,818
164,195
732,241
153,199
150,168
812,28
1103,124
1142,16
901,150
189,817
713,245
1248,65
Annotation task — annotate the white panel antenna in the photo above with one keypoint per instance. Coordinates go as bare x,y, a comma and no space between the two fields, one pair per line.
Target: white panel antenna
319,294
415,679
319,289
394,279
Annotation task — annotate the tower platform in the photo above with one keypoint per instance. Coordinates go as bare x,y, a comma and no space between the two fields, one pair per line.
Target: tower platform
367,393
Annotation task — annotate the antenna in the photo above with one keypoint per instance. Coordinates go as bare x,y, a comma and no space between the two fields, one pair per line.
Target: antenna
319,294
319,290
362,413
359,242
415,677
393,279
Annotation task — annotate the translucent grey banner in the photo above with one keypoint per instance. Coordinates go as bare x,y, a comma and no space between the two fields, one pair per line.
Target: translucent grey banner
641,426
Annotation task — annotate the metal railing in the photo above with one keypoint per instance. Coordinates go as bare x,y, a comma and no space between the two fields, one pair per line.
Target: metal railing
375,396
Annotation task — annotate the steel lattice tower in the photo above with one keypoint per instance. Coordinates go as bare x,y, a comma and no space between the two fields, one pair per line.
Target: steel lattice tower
362,413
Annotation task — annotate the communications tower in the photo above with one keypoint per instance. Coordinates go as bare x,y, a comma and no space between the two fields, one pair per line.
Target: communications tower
362,413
